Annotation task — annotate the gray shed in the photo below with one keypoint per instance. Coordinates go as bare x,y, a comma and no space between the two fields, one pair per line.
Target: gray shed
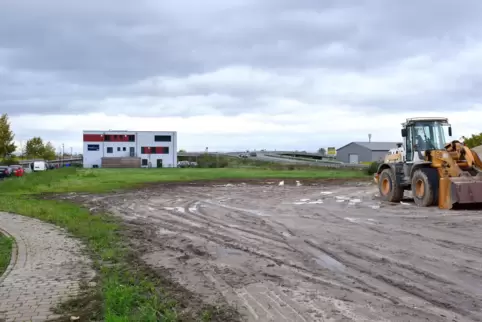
357,152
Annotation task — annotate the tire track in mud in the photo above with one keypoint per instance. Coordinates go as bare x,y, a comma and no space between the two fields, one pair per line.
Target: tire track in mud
411,289
301,271
425,295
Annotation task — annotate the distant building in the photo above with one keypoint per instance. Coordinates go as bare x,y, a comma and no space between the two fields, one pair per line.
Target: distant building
129,149
357,152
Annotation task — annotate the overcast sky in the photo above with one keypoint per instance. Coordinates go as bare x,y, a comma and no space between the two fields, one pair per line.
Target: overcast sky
239,74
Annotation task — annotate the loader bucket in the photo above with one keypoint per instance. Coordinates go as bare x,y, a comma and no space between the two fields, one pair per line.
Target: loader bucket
460,190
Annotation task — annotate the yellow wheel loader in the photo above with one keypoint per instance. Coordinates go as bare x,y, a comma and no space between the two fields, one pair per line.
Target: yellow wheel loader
437,173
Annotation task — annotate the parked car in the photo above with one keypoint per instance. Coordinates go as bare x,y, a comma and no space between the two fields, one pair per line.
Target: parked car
5,171
18,170
183,164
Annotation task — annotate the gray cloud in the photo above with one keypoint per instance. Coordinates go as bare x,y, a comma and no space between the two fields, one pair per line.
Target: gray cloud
227,57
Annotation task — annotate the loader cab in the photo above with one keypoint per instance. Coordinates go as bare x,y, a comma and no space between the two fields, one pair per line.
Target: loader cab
424,134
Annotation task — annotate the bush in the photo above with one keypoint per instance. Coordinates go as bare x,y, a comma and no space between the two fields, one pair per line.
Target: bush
373,167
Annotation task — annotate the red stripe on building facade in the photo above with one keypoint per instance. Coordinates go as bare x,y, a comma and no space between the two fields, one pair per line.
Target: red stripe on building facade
93,138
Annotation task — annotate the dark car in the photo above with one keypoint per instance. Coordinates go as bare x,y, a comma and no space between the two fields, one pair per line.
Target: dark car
5,172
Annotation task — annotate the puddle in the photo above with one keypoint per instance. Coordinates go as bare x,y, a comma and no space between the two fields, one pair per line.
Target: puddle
194,207
316,202
226,251
325,260
308,202
353,202
329,262
353,220
286,234
359,220
163,231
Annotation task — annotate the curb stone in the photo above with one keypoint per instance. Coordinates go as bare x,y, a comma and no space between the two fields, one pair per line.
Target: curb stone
13,257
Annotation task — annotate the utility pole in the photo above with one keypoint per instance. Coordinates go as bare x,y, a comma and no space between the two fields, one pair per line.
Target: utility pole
71,153
62,154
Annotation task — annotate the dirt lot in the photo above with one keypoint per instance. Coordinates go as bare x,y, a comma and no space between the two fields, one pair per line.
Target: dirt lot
315,252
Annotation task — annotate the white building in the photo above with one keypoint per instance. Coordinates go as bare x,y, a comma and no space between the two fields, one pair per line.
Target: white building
157,149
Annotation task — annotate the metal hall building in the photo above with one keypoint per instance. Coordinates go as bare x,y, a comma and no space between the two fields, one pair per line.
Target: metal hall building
357,152
129,149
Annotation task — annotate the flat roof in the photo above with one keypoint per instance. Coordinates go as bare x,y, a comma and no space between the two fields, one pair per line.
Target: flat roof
126,131
421,119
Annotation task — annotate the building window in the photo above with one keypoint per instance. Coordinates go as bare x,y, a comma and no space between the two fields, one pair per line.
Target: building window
162,150
124,149
131,138
118,148
107,138
93,147
144,162
162,138
110,150
155,150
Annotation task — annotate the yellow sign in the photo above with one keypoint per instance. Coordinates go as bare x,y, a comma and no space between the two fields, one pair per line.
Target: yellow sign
331,151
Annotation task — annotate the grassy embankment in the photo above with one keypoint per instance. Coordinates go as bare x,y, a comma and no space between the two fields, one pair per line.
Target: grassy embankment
125,292
6,244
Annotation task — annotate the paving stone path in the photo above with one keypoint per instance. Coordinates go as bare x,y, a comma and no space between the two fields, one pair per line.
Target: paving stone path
47,268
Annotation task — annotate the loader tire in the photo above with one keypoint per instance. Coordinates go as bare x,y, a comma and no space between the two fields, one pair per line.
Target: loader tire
422,189
388,187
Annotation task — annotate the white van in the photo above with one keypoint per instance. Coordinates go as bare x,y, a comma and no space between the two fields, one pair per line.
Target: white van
39,166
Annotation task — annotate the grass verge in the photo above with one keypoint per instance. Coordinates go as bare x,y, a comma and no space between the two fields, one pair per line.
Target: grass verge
6,244
126,292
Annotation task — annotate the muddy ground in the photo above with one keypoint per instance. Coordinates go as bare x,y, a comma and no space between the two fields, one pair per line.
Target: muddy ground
315,252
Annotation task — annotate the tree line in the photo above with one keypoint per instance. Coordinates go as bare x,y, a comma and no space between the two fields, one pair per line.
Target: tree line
34,148
474,141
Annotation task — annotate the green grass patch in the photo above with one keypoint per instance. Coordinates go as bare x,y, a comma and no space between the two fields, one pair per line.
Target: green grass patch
102,180
6,244
126,291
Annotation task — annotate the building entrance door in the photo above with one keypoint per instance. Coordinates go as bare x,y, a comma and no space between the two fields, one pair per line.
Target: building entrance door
353,158
159,163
